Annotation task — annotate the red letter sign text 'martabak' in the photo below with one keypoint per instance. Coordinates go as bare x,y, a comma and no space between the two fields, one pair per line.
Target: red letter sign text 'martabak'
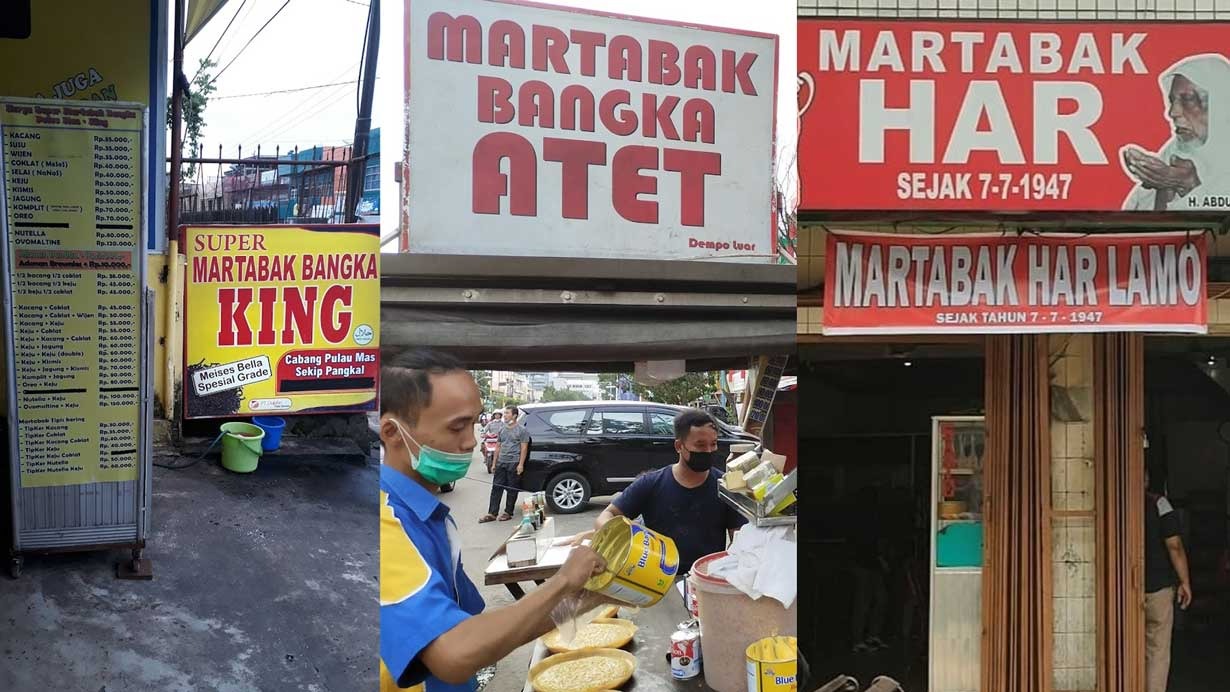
899,284
582,134
283,319
1014,116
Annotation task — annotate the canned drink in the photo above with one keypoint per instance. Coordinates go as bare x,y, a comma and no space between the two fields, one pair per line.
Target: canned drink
685,654
689,596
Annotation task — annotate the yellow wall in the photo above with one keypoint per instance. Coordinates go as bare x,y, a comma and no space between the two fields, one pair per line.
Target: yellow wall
107,53
77,43
158,363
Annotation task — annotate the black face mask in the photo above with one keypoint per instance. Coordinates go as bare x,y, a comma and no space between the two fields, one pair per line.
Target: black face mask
700,461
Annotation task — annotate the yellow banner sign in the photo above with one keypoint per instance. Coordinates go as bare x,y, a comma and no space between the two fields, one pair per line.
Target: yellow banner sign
72,227
281,320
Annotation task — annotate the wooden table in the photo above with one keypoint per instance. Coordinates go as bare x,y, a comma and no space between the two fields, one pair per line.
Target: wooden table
655,627
498,571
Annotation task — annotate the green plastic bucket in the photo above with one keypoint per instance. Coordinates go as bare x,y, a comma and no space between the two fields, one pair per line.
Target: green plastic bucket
241,447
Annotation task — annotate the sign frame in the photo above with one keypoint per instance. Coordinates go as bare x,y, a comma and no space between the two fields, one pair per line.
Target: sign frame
187,232
1062,319
102,534
768,253
1026,188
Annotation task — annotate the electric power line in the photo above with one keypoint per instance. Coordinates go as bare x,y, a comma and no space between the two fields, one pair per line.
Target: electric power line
245,46
271,124
284,91
220,37
325,105
294,117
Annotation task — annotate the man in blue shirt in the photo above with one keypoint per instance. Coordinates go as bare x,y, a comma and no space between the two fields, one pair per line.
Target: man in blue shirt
434,635
681,501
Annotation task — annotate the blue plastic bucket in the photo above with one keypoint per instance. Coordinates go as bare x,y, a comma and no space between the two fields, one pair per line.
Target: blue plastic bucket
273,427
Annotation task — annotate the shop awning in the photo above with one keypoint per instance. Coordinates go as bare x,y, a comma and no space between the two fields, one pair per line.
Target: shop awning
589,315
199,14
530,339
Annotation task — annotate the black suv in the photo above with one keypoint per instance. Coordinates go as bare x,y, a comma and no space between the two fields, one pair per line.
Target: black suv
579,449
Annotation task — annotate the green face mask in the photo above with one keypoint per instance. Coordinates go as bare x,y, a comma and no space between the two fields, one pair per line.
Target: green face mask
436,467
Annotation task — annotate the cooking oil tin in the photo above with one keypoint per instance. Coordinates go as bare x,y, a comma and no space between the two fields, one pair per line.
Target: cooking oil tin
640,564
773,665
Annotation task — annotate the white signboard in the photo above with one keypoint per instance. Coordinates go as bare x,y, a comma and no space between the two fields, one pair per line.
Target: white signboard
555,132
221,378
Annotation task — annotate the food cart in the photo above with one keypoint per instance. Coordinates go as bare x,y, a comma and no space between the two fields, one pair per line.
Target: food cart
654,625
737,620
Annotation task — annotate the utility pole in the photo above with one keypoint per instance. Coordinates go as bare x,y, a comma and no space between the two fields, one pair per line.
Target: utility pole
177,126
363,123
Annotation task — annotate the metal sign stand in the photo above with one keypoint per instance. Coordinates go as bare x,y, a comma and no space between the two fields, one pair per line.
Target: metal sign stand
77,327
758,407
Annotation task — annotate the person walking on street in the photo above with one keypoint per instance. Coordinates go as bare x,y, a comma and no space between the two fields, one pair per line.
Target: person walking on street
510,456
1166,580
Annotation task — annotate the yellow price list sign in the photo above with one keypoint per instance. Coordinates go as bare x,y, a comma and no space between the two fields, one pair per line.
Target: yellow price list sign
72,222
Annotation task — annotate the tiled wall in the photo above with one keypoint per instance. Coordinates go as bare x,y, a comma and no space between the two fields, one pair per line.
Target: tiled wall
1022,9
811,256
1073,541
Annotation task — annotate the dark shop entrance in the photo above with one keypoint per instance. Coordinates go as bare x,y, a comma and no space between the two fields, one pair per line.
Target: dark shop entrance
866,443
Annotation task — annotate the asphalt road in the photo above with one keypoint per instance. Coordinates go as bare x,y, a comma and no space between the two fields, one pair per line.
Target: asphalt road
262,581
468,502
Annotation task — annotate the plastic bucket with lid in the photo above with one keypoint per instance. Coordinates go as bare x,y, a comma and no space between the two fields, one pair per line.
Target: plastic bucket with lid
241,447
640,564
273,427
730,622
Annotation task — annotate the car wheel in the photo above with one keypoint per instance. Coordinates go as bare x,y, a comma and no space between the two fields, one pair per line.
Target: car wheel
568,493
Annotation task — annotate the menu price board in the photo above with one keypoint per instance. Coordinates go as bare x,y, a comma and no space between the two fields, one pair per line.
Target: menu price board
72,232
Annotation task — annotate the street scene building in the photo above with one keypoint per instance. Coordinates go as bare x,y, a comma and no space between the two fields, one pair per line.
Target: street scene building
589,233
162,163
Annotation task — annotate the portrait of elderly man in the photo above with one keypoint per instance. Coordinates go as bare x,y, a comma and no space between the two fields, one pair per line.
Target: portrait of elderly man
1193,163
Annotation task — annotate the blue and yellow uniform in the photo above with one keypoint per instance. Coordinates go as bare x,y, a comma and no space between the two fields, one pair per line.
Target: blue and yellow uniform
424,592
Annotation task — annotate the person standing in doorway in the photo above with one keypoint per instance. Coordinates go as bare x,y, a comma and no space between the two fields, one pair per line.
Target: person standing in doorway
868,571
1166,580
510,456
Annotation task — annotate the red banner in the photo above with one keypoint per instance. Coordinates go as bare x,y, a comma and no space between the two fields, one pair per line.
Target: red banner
999,116
899,284
343,369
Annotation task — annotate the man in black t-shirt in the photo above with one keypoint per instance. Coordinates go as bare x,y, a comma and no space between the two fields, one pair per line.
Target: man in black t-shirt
1165,570
681,501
